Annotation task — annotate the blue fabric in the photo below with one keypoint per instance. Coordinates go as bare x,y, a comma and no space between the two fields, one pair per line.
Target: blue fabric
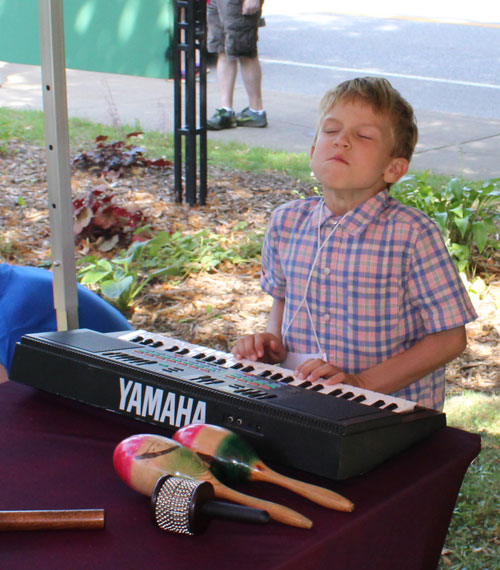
27,306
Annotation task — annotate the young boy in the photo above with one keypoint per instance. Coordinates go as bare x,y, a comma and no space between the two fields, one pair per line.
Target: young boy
364,290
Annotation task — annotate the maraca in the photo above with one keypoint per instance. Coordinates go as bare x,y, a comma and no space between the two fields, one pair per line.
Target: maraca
231,459
141,460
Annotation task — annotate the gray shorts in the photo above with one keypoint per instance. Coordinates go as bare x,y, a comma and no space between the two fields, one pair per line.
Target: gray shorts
230,31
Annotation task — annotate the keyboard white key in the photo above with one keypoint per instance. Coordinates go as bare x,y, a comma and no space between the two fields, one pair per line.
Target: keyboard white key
270,371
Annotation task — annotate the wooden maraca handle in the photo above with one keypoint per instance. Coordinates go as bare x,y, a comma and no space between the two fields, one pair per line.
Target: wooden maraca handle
319,495
277,512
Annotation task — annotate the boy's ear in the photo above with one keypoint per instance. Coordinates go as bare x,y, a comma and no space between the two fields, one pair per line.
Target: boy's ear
312,151
396,169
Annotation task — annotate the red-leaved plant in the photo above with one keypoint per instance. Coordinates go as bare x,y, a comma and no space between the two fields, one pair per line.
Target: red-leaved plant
105,223
115,157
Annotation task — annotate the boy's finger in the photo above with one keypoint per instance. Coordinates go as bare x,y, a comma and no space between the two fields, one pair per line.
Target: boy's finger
336,378
259,346
305,369
247,348
320,372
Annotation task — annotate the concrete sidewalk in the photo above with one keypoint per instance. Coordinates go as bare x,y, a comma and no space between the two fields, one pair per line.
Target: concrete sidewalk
449,144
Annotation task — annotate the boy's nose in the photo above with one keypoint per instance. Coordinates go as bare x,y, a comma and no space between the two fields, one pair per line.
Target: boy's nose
342,140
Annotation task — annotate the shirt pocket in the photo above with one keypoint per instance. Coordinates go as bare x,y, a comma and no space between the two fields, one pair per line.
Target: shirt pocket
373,309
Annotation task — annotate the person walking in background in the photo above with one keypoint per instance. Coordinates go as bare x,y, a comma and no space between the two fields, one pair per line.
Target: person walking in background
232,35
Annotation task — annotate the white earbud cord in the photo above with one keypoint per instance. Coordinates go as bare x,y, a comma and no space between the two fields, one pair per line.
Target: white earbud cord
321,245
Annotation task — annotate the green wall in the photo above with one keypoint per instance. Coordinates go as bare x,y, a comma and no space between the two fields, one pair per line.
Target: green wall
115,36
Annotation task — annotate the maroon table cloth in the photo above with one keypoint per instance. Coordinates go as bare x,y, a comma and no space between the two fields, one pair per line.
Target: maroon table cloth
57,454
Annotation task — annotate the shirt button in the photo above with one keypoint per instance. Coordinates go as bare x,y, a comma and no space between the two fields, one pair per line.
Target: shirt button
326,271
326,317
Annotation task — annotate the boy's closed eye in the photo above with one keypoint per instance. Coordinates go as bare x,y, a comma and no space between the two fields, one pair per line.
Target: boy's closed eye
367,133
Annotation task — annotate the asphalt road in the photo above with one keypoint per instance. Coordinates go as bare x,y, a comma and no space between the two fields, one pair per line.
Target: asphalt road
440,64
447,64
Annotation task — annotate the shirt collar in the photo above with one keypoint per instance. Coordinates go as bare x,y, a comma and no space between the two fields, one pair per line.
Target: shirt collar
356,220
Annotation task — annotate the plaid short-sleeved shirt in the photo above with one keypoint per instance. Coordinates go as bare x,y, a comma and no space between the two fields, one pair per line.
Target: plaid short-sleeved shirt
382,282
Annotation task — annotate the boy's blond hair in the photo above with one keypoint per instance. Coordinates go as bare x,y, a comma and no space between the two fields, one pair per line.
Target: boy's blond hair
381,96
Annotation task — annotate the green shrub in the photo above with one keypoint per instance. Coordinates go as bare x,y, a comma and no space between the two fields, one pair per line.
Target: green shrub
467,213
123,277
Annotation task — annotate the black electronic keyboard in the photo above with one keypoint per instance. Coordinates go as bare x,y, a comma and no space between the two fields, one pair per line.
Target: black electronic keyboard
334,431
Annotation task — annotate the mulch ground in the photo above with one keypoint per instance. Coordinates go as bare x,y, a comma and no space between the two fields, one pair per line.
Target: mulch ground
215,308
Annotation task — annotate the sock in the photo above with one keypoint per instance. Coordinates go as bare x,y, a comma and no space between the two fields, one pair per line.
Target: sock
261,112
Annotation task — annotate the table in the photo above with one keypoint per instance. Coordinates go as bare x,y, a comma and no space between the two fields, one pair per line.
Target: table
57,454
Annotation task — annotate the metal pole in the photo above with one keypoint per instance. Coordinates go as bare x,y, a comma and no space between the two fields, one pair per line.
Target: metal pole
190,95
177,54
201,33
189,135
55,107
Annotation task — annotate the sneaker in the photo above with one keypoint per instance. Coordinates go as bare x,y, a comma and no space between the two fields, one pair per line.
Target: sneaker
248,118
221,119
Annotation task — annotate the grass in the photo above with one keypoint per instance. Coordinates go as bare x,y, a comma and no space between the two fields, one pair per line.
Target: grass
472,542
228,155
28,126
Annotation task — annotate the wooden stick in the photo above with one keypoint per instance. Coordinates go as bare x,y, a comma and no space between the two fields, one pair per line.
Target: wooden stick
86,519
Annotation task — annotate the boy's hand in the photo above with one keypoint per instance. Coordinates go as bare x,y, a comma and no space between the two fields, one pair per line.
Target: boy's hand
261,347
316,369
249,7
